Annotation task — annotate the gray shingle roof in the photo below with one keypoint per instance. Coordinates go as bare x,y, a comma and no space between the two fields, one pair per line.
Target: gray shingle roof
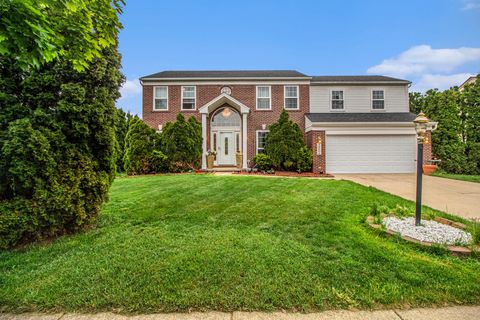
361,117
226,74
372,78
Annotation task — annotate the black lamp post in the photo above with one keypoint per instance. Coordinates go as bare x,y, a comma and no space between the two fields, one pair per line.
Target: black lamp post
421,125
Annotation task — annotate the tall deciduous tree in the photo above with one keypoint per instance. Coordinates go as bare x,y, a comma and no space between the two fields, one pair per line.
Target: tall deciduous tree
457,139
35,32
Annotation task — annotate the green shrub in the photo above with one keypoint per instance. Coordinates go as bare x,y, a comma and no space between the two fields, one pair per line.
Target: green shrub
140,142
57,146
286,147
304,160
262,162
122,122
182,143
159,162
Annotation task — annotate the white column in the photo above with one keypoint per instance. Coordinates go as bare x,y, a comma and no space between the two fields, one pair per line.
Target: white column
244,140
204,141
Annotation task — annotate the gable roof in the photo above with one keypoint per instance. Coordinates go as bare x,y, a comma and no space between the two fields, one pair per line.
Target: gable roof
351,79
362,117
223,74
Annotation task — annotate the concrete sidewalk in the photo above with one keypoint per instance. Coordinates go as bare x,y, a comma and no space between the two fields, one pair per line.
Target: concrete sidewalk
449,313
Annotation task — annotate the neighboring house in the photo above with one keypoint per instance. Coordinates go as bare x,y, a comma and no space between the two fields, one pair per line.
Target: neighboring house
353,124
468,81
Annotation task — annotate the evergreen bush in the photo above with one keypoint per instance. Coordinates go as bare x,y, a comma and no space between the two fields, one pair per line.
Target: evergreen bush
182,143
140,142
286,147
262,162
57,146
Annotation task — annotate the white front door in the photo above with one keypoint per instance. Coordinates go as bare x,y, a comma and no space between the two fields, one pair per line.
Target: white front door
226,149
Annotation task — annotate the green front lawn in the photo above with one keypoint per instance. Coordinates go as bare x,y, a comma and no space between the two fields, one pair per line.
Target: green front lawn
186,242
464,177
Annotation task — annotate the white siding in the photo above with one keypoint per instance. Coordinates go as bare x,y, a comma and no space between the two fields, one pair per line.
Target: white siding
359,98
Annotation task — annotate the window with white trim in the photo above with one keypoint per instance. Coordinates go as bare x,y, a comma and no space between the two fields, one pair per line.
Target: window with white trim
291,97
160,98
378,100
337,100
263,98
188,97
261,138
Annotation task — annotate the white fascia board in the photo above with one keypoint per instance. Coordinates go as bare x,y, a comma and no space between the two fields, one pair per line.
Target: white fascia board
163,82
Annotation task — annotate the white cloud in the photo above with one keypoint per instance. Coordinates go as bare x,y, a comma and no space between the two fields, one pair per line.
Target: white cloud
471,5
423,59
131,88
441,82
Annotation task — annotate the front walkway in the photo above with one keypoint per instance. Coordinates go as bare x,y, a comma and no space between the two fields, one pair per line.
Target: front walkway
456,197
450,313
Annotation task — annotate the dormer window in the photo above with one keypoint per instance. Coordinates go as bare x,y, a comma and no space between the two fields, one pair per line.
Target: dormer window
378,100
337,100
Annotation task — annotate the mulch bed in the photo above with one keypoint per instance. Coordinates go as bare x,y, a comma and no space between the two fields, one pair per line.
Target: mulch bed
286,174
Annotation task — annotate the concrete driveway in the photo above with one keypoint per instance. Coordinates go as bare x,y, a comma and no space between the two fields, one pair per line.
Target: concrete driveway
461,198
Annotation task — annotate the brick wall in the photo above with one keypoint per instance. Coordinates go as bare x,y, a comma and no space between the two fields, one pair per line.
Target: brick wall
243,93
319,161
427,147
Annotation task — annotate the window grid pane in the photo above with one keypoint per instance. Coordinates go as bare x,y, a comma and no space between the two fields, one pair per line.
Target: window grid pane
261,136
263,92
291,103
378,104
160,104
188,104
161,92
377,94
263,103
337,95
337,104
290,92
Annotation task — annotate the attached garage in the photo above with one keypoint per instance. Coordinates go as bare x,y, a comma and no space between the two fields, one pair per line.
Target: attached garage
370,153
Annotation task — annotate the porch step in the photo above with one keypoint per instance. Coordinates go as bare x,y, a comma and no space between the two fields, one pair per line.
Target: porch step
224,169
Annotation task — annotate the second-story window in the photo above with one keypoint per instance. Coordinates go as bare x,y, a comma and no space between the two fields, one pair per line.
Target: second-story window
291,97
378,100
337,100
188,97
161,98
263,98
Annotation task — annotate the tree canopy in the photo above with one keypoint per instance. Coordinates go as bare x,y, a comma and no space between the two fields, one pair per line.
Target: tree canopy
457,139
35,32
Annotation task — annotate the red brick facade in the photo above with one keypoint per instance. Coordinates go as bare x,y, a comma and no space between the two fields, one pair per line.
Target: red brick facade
427,147
245,93
316,142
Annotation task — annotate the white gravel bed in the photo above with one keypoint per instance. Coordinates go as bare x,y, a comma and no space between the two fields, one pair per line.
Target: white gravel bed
429,231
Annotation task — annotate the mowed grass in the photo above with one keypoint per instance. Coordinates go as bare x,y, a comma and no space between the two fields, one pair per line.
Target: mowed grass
464,177
201,242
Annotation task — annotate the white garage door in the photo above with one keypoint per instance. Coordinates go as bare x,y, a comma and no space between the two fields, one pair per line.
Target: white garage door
371,154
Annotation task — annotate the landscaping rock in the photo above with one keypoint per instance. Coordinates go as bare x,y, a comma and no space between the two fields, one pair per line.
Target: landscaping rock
428,231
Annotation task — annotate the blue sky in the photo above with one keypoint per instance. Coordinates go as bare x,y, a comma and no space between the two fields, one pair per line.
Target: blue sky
432,43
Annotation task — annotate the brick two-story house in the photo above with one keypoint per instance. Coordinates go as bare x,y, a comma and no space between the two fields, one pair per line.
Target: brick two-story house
353,124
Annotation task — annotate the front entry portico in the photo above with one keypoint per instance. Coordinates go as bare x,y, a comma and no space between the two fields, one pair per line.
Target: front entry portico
227,120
